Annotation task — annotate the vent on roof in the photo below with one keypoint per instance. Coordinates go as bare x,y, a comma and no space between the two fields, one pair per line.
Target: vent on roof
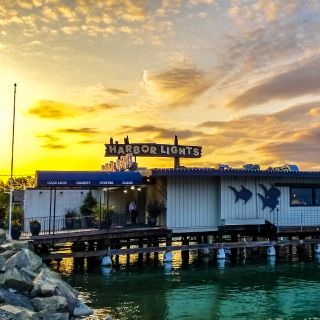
286,168
250,166
223,166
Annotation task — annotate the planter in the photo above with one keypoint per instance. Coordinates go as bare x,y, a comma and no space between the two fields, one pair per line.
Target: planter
15,232
88,222
35,228
152,221
69,223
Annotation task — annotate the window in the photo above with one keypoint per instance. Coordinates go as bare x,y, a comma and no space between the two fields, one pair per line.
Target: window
304,196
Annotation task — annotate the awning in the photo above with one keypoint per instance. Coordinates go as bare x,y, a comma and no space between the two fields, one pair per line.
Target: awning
85,179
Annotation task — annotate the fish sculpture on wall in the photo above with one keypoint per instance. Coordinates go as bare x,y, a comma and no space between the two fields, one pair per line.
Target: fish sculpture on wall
244,194
270,198
273,192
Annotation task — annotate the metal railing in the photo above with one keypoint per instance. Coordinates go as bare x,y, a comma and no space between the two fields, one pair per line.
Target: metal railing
62,224
295,219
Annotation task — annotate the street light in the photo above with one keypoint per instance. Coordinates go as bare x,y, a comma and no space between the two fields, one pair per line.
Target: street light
11,169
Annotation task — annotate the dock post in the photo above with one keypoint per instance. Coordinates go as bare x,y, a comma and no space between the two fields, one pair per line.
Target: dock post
290,247
234,251
185,254
205,251
140,255
301,248
199,241
128,254
148,245
155,244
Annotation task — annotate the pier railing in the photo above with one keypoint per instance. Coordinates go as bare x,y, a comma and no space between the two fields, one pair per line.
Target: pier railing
61,224
295,219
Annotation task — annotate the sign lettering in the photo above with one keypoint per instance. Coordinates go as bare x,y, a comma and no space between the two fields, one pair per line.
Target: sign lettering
153,150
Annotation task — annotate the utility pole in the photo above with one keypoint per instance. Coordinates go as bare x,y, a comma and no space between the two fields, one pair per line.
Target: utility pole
11,169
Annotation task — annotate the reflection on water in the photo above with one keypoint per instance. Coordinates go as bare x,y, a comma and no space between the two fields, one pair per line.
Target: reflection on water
204,288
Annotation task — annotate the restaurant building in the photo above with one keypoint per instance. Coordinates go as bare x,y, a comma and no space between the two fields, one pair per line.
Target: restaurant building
197,200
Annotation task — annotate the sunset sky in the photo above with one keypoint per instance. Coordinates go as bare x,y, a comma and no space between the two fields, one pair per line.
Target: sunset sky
239,78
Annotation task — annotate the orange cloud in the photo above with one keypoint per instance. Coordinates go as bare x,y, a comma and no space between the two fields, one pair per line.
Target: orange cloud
178,86
58,110
53,110
82,131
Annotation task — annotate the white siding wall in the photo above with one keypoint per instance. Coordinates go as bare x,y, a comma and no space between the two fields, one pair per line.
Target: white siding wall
37,202
287,215
191,203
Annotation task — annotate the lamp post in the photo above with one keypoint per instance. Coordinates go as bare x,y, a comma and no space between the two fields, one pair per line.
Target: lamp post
11,168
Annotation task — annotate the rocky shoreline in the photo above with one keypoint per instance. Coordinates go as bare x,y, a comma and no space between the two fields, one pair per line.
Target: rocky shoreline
30,290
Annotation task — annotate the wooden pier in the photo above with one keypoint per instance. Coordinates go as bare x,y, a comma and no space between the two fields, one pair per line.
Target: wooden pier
141,239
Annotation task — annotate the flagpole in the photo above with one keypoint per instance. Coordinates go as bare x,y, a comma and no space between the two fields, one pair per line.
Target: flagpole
11,169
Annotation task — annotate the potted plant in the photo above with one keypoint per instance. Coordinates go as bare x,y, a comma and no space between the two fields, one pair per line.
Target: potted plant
154,209
105,214
87,209
16,222
35,227
69,218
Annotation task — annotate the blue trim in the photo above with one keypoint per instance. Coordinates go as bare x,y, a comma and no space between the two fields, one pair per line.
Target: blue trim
233,173
86,179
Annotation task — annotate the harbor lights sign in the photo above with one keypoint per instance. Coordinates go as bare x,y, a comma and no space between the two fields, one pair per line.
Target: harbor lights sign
153,150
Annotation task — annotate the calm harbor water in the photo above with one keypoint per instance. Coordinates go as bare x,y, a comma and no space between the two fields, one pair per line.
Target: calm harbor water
255,288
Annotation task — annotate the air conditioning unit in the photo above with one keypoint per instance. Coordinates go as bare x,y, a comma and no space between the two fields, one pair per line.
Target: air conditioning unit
250,166
286,168
222,166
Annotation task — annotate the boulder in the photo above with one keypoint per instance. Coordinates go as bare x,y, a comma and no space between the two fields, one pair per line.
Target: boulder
18,313
2,261
15,245
82,310
13,278
44,315
15,299
52,304
49,283
3,236
8,253
28,273
23,259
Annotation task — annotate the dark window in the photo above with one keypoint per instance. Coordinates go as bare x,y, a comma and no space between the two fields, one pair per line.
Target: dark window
301,197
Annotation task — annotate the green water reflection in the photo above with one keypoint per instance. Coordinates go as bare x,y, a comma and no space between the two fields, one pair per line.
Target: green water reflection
201,290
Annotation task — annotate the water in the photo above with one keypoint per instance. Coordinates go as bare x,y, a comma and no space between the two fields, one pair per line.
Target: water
258,288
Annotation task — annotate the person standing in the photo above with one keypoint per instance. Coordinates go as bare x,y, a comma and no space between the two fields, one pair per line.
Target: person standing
133,211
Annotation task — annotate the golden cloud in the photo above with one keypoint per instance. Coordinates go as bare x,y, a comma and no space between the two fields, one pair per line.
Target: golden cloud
178,86
53,110
58,110
51,141
82,131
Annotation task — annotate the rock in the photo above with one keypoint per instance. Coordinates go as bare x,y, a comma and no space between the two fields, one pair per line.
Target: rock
43,315
2,261
82,310
8,254
15,299
44,290
49,283
18,313
28,273
13,278
52,304
14,245
23,259
3,236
